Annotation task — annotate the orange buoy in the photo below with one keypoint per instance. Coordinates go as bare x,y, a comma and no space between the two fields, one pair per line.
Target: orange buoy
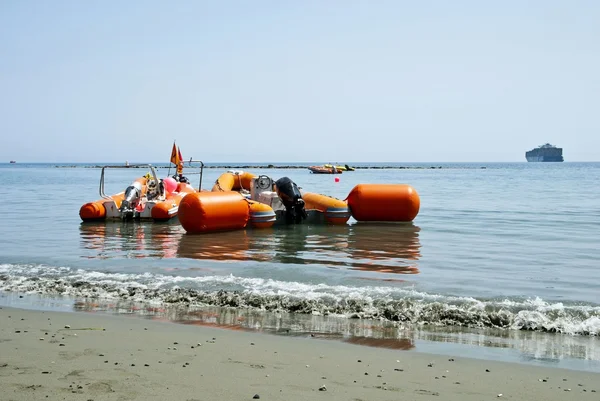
213,211
261,215
233,182
94,211
336,211
384,202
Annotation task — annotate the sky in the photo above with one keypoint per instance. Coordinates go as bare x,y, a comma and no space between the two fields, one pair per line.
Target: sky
298,81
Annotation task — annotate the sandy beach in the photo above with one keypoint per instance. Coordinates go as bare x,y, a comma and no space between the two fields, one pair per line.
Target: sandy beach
81,356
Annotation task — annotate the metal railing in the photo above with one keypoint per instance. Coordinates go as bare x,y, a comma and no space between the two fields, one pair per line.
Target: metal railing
101,189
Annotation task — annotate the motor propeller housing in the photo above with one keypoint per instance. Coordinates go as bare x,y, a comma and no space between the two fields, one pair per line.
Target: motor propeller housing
291,198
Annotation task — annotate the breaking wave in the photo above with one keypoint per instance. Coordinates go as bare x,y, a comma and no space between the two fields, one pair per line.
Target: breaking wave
399,305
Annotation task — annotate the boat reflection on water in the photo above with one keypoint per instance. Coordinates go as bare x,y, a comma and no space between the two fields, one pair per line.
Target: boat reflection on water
221,246
108,240
383,248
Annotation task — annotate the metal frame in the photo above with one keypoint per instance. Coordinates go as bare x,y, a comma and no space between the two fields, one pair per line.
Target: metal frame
101,189
201,170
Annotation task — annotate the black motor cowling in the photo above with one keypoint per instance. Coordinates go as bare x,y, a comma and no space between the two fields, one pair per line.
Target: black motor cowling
291,198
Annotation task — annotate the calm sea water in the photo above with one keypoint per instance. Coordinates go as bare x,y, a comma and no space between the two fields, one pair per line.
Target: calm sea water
501,262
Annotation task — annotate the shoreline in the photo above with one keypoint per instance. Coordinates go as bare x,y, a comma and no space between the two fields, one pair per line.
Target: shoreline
64,355
522,347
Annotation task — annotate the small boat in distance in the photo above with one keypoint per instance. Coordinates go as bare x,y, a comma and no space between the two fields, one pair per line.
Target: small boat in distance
12,162
345,167
324,170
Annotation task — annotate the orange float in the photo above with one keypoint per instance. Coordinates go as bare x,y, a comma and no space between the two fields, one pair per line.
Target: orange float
233,181
261,215
336,211
213,211
167,209
384,202
96,211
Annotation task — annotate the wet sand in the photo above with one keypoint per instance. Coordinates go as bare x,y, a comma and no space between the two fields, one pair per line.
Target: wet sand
86,356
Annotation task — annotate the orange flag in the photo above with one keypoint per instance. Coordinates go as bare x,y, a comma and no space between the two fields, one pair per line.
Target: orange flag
175,155
180,163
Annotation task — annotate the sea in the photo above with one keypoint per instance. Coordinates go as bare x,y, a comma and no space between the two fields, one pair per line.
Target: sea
501,263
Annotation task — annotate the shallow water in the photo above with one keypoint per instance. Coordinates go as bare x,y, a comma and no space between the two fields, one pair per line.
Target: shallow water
500,250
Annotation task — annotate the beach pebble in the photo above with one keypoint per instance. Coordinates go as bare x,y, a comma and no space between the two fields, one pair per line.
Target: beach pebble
499,395
451,359
308,366
147,364
251,343
323,388
41,338
67,326
430,365
61,345
487,370
199,344
256,396
45,373
359,360
322,377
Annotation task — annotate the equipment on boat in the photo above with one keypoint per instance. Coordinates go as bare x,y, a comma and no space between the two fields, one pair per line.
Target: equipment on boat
290,195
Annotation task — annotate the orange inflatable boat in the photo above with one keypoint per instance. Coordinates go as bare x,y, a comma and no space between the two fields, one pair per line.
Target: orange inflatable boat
146,198
239,199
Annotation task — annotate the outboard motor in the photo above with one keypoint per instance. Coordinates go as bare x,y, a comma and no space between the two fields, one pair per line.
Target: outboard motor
132,197
291,198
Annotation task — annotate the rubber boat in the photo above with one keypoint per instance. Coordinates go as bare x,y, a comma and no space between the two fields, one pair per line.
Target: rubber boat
345,167
241,199
146,198
324,170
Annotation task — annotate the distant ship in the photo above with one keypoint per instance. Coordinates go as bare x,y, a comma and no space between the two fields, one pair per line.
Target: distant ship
12,162
545,153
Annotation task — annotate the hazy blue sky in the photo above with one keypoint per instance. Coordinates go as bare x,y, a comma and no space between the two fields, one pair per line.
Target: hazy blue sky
298,80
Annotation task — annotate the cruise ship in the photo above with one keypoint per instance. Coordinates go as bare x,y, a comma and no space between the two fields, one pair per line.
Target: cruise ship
545,153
